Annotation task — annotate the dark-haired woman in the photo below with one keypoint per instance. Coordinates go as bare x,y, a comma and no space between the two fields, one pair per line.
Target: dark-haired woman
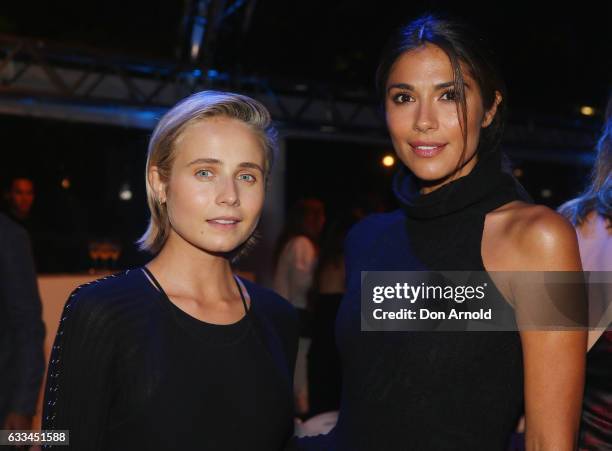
591,214
444,103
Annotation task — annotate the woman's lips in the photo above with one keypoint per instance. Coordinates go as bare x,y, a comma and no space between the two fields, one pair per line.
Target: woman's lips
427,151
223,224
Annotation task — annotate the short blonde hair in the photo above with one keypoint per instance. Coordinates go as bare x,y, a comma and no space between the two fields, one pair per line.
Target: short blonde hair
162,147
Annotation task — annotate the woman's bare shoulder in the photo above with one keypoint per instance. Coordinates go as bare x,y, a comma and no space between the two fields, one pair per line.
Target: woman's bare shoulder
533,237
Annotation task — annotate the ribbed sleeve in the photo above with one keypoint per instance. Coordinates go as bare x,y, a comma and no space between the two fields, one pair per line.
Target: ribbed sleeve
129,370
78,392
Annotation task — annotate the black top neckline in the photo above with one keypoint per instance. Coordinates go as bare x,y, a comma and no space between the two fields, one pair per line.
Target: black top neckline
147,381
486,179
192,319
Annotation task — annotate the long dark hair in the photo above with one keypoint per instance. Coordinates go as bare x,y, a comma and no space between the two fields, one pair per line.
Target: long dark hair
461,45
598,194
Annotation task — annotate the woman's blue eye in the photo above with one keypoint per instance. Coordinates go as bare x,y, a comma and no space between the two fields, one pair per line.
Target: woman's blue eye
401,98
204,173
246,177
450,96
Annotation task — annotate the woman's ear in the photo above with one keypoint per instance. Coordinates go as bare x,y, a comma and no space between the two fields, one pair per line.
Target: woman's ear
157,184
490,114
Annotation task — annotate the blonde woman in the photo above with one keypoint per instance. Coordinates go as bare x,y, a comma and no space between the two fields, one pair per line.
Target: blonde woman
591,214
181,353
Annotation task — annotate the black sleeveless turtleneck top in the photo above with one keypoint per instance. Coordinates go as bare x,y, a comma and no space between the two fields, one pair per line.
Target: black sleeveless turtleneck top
427,390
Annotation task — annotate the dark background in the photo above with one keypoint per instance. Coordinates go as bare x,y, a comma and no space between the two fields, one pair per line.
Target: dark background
554,59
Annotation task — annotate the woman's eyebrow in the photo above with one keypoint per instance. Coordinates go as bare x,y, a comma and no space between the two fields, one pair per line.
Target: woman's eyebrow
446,84
205,161
215,161
250,165
401,86
450,84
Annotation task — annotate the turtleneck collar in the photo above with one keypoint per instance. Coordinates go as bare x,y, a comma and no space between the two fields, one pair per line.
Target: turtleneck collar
485,179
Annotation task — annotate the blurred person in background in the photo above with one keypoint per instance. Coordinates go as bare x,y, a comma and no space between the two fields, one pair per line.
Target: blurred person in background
22,331
20,198
295,259
324,368
591,214
21,207
55,223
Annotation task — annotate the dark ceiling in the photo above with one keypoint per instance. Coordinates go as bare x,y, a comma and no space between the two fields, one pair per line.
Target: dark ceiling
554,58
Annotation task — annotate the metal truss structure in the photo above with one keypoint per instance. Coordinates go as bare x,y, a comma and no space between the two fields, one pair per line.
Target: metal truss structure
47,80
42,79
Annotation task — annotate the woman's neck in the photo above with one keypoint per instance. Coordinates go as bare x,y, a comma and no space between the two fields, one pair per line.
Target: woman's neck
184,269
465,169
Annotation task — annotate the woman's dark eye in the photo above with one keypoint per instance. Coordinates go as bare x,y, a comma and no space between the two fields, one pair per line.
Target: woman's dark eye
401,98
450,96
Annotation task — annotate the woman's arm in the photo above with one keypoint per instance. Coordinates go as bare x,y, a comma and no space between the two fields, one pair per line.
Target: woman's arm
554,381
78,389
554,361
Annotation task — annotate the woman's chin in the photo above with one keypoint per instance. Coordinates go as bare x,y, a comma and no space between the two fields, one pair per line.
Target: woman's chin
431,175
221,249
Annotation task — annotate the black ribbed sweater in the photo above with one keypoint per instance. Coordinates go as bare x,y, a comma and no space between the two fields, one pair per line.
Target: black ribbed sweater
131,371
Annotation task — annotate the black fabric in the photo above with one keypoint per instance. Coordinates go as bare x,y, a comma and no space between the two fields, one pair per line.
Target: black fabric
324,368
487,185
426,390
130,370
596,421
